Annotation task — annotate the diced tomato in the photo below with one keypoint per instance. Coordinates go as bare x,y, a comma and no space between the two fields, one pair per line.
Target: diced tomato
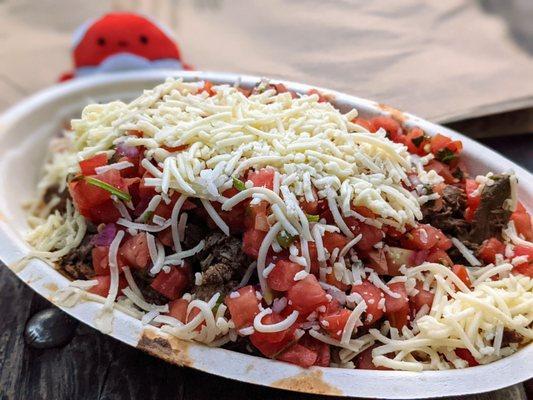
130,172
423,297
441,169
472,199
416,141
234,218
397,257
95,203
271,344
134,251
467,356
469,214
104,283
165,237
372,295
244,307
397,308
262,178
283,336
364,211
334,319
178,309
370,235
333,281
321,97
268,349
89,165
462,274
281,277
522,250
524,269
164,210
365,123
364,360
100,256
306,295
310,207
527,267
299,355
256,217
333,240
172,284
489,248
322,349
208,87
313,255
522,222
439,142
377,260
392,127
251,242
423,237
443,243
146,193
439,256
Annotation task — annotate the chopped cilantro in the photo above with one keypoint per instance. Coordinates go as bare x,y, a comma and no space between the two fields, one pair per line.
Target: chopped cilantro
285,239
446,155
238,184
312,217
107,187
417,141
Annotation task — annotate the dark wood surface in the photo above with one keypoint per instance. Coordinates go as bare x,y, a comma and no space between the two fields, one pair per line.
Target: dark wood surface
95,366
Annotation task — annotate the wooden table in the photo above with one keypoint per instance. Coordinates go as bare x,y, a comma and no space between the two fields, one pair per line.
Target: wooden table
95,366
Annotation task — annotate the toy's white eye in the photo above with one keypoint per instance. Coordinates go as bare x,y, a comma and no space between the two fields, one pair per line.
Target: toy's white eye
143,39
100,41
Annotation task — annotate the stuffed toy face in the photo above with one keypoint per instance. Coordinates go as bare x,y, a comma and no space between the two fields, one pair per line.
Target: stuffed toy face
122,41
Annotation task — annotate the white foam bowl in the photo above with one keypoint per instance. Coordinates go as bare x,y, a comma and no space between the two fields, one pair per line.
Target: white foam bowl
24,132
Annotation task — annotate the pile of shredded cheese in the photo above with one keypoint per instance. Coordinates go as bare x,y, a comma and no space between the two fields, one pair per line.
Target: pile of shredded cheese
311,143
317,153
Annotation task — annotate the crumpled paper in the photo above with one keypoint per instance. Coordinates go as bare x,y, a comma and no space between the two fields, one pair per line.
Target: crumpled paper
442,60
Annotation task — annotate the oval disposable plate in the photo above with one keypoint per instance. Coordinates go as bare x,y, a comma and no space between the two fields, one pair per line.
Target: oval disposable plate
24,132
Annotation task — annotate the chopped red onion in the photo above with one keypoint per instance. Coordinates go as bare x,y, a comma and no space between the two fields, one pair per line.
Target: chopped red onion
105,236
279,304
128,151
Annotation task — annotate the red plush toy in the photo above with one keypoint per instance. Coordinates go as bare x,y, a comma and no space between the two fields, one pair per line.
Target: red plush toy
122,41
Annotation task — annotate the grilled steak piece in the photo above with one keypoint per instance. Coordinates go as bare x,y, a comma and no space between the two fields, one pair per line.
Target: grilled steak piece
222,263
510,336
491,216
220,248
78,264
449,217
63,197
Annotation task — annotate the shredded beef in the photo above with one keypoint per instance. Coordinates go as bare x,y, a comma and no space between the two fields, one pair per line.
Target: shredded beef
222,263
491,216
78,264
510,336
63,197
194,232
448,216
